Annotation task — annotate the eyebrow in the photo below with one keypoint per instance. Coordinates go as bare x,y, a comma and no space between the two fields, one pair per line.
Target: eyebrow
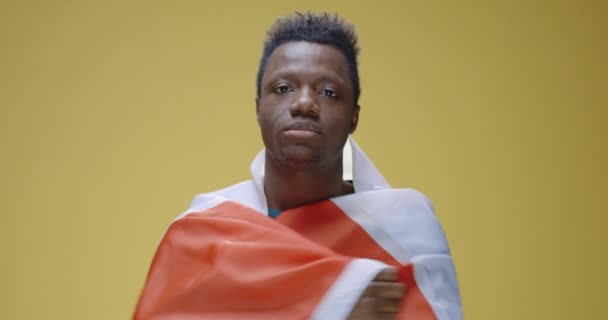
324,78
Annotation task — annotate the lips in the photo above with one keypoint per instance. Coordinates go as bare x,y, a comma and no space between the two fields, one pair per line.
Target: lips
304,126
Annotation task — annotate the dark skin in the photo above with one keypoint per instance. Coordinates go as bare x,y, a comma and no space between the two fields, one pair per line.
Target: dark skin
306,112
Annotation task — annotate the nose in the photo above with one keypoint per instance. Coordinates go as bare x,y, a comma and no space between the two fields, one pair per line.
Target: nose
304,104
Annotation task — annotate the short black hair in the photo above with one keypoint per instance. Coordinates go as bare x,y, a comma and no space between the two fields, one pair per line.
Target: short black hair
324,28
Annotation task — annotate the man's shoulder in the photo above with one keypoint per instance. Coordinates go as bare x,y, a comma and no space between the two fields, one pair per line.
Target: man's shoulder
245,193
403,220
405,198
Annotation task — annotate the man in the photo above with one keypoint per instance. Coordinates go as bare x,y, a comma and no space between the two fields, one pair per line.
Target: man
298,241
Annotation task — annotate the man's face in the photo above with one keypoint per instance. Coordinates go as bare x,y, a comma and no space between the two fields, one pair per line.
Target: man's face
306,109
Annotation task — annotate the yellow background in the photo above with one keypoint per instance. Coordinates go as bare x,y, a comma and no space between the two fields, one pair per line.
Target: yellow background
113,114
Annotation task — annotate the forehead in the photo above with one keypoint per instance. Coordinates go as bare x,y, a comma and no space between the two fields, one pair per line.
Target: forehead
307,58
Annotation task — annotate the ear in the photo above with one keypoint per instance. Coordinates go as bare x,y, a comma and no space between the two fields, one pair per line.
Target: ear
257,108
355,119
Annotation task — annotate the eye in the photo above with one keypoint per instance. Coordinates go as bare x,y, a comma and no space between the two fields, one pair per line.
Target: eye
329,93
282,89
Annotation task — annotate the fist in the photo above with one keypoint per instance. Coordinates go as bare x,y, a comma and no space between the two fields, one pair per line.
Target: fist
381,298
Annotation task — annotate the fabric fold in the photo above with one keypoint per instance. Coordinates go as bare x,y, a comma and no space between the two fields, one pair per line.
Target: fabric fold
224,258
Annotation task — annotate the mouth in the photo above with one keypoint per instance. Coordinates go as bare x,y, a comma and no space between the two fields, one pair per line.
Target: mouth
303,130
304,126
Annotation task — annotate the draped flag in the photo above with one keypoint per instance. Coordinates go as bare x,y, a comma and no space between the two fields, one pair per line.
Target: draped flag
225,258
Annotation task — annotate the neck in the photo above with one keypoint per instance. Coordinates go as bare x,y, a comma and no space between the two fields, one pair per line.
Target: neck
286,188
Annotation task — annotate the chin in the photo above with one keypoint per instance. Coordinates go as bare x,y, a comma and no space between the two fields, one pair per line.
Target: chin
299,157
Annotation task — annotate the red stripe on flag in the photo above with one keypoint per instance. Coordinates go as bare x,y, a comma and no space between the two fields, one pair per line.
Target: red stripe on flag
325,223
230,262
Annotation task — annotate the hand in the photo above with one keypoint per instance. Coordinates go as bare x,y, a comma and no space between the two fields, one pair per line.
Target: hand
381,299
